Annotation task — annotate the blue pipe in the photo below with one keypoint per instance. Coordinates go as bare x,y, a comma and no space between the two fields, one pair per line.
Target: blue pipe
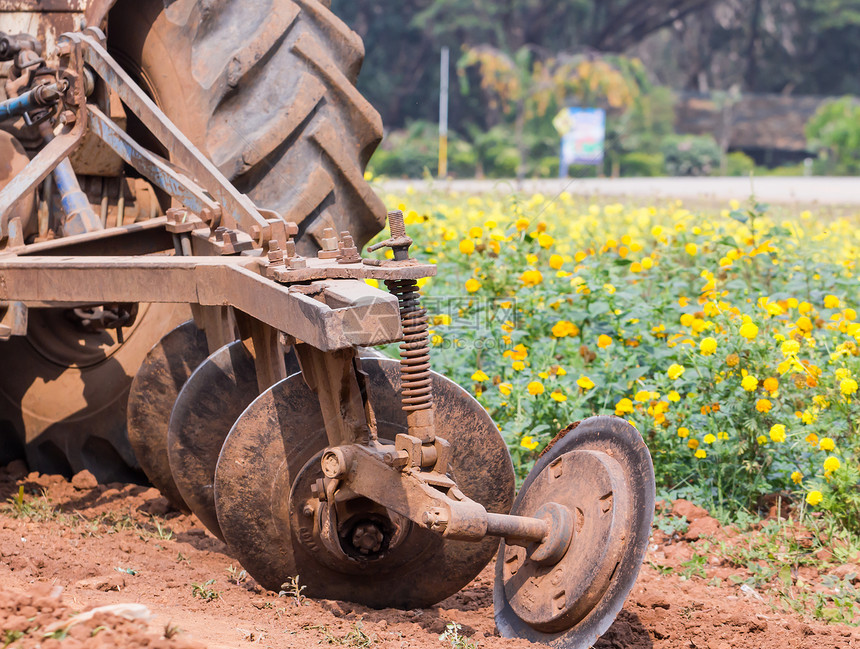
38,97
80,217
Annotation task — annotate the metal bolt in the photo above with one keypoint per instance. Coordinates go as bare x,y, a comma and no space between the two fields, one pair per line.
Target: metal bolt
367,538
176,214
294,260
308,510
275,254
330,247
349,252
68,117
396,224
435,519
334,463
219,233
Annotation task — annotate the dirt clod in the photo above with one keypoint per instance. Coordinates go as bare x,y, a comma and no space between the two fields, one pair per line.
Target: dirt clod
688,510
84,480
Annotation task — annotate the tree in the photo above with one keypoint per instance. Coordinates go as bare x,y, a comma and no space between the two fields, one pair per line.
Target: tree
525,87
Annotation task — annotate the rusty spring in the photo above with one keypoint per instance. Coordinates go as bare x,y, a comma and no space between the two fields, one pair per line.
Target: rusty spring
415,348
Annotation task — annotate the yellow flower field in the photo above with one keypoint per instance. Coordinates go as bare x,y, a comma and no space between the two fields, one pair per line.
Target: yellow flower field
728,337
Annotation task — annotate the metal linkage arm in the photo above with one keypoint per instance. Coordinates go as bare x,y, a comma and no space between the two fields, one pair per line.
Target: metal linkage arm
237,209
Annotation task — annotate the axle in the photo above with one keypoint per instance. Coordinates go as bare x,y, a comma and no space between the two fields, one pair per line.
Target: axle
38,97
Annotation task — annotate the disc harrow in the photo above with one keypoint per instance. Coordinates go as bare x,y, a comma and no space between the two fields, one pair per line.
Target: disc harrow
270,418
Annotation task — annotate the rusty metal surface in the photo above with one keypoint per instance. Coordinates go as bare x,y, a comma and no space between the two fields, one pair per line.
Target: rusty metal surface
13,160
535,591
209,403
283,430
211,281
153,392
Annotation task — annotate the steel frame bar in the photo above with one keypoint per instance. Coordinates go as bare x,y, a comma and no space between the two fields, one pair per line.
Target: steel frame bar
152,166
235,281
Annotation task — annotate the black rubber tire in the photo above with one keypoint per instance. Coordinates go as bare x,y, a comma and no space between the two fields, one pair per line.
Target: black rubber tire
266,88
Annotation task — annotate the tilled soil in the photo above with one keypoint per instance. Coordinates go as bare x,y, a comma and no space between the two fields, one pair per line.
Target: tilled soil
83,545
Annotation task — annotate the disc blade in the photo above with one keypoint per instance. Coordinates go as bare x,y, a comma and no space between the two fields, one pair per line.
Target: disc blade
205,410
210,401
601,469
154,390
274,447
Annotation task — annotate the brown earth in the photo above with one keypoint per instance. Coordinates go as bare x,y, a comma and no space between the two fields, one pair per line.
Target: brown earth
111,544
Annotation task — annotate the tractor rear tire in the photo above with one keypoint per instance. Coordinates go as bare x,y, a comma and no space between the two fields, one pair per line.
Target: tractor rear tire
265,88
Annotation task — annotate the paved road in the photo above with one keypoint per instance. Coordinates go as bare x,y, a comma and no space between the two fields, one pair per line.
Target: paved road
821,190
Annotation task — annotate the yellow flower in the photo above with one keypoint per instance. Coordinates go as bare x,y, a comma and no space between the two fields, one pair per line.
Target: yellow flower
531,277
609,288
675,371
467,246
558,396
842,373
831,302
521,223
545,240
673,396
529,442
625,405
826,444
691,249
710,438
790,348
584,382
732,360
813,498
683,432
472,285
693,444
642,396
564,328
687,319
722,435
476,232
771,384
701,454
831,464
797,477
518,366
761,440
505,388
647,263
763,405
480,376
535,388
708,346
812,439
777,433
603,341
848,386
556,262
749,383
748,330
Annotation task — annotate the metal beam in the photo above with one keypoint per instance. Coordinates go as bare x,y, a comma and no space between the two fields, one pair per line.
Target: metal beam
152,166
214,281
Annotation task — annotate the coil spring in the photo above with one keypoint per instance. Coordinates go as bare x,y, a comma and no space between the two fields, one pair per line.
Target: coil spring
415,348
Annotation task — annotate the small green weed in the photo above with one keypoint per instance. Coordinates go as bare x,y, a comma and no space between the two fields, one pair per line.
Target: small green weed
452,636
204,591
292,588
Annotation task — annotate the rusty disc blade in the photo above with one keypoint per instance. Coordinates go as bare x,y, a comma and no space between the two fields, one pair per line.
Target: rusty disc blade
601,472
211,400
205,410
154,390
274,448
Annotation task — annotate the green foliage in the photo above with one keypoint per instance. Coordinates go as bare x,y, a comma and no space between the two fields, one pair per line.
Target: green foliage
292,588
642,164
834,131
691,155
739,164
728,338
205,591
455,639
